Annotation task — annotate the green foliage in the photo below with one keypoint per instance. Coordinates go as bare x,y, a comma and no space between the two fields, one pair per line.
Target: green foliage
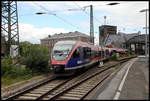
127,57
8,80
36,58
6,66
10,70
117,66
11,73
114,56
33,61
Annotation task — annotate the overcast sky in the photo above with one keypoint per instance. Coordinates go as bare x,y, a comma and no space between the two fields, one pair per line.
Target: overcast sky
60,19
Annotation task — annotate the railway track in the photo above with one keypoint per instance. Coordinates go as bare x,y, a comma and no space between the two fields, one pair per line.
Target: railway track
74,88
80,89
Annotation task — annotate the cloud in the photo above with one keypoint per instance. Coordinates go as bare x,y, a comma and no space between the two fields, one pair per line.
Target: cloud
117,14
28,32
124,15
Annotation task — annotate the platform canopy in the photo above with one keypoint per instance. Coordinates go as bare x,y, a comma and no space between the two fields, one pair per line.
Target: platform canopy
138,39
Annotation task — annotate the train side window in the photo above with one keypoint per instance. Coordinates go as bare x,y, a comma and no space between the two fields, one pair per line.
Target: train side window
97,53
107,52
76,53
92,53
86,52
100,53
103,54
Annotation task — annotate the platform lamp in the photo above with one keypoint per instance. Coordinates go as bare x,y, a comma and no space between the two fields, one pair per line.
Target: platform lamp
145,10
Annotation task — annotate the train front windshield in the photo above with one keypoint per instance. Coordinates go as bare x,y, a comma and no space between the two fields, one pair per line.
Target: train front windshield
61,51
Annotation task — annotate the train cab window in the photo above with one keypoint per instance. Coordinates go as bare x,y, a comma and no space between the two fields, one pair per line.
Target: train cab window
76,53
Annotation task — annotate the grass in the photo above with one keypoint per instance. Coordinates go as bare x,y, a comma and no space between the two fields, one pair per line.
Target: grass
126,57
117,66
6,81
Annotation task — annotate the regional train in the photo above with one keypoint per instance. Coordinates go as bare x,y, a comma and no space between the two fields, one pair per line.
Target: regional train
70,56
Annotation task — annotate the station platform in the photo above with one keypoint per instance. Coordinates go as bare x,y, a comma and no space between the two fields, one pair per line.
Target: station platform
131,82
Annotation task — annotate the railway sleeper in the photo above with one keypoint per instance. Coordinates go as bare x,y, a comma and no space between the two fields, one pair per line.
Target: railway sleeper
51,94
41,90
49,86
30,94
77,93
69,98
25,98
72,95
45,98
85,87
78,90
81,89
35,92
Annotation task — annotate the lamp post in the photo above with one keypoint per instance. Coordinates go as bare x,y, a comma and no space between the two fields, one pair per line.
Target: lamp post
145,10
91,21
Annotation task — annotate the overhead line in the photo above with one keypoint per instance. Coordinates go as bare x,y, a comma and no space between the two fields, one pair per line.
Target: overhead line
56,15
86,12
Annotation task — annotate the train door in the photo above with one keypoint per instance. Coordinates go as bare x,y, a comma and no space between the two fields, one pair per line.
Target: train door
76,59
86,54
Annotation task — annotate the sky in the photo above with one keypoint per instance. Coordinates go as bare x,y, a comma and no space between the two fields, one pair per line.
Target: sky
69,16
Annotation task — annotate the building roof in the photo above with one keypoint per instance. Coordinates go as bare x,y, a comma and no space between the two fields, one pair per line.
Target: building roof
121,37
64,35
138,39
107,26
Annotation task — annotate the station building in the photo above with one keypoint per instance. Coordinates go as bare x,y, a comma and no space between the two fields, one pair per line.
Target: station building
105,31
136,44
52,39
119,40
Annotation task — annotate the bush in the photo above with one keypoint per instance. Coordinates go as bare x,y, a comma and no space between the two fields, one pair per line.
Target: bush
19,70
36,58
114,56
6,66
8,69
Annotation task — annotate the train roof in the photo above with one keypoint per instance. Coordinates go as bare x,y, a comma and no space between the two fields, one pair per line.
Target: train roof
73,42
66,42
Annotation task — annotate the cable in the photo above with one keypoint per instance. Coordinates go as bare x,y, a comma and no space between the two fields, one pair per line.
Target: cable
86,12
50,12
